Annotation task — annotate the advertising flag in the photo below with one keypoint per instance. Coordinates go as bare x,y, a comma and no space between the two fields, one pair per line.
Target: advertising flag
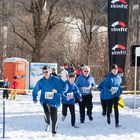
117,32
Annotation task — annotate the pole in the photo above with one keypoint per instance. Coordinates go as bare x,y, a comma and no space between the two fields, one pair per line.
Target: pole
138,40
4,118
135,82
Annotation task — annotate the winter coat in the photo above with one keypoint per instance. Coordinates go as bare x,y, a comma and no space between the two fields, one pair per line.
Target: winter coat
46,86
15,84
72,92
85,84
112,81
5,84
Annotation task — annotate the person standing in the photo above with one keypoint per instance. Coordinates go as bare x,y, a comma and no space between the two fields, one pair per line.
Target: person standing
72,70
68,99
67,68
85,83
78,71
15,87
51,88
63,74
5,84
113,90
54,72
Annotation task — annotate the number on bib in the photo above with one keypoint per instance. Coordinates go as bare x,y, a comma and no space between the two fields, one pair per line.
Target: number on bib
49,95
114,90
70,95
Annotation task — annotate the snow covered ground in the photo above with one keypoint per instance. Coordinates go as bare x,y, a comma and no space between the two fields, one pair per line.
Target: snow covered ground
25,121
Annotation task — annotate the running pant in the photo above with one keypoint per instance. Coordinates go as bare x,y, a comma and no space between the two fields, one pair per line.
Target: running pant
86,103
72,112
51,112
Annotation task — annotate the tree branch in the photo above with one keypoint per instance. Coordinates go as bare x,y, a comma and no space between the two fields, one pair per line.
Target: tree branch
23,38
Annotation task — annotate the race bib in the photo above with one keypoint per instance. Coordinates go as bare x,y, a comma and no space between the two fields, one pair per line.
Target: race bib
85,89
114,90
70,95
49,95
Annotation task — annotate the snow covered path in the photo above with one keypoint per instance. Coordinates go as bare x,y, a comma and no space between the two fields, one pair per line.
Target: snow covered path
24,121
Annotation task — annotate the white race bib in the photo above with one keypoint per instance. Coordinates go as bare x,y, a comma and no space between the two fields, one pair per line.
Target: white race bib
49,95
114,90
85,89
70,95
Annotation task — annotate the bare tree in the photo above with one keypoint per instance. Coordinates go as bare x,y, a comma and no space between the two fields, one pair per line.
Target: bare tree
92,19
40,17
3,34
62,46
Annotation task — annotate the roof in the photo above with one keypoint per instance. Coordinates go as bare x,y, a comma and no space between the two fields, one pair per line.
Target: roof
14,59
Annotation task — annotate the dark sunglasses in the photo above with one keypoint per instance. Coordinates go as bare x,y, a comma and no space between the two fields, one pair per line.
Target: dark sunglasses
86,71
45,71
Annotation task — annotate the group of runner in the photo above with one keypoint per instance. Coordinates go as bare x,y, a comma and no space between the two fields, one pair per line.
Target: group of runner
71,85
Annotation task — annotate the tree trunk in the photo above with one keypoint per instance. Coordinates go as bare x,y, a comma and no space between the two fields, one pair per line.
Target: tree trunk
37,33
88,52
37,51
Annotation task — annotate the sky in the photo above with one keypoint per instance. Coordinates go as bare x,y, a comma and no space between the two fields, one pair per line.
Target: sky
25,121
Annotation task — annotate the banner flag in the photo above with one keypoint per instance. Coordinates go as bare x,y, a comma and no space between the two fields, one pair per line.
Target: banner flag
117,32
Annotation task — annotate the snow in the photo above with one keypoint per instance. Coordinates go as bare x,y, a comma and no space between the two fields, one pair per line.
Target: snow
25,121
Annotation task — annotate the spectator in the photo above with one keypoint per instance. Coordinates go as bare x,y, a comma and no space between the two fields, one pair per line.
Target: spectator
78,71
5,85
67,68
63,74
72,70
15,87
54,72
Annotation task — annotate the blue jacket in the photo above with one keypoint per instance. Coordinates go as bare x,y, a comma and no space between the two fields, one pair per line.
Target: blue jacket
72,89
85,84
68,70
45,86
5,84
101,89
112,81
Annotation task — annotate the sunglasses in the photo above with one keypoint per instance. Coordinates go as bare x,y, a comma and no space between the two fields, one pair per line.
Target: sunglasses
86,71
45,71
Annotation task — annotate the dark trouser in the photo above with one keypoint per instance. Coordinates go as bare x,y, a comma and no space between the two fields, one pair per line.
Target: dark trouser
110,103
5,94
72,112
104,107
51,112
86,103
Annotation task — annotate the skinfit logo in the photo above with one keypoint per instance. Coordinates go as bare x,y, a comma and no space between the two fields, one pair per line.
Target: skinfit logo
121,4
118,26
119,50
120,23
121,1
119,47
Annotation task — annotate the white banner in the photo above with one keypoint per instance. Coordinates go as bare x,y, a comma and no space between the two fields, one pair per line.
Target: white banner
35,72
